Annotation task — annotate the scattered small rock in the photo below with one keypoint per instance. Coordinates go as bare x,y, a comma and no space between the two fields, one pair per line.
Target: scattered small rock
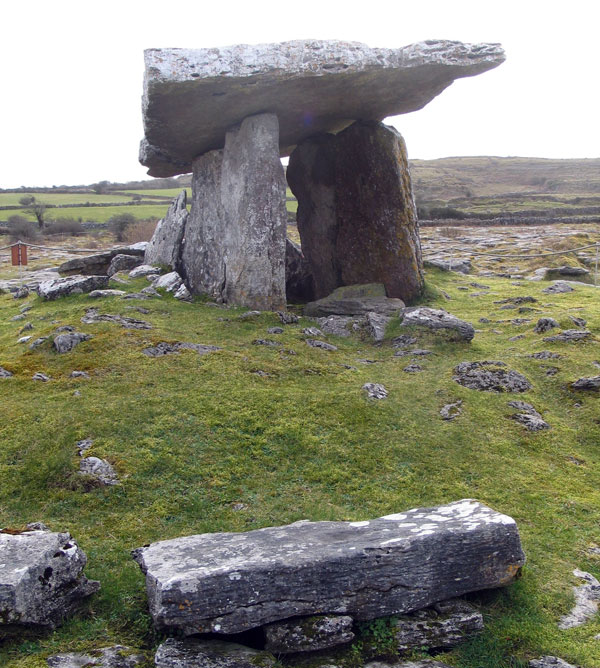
484,320
545,324
551,370
520,321
545,355
265,342
84,445
375,390
40,376
117,656
550,662
250,315
592,383
557,287
24,339
99,469
5,373
98,294
19,316
26,328
531,422
413,368
92,316
21,293
312,331
578,322
200,653
64,343
61,287
65,328
403,340
339,325
144,270
165,348
518,337
569,336
150,291
517,300
287,318
586,601
183,294
38,342
79,374
315,343
437,319
275,330
170,282
451,411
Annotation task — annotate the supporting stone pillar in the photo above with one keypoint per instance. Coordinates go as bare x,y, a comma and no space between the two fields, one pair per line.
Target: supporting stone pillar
234,246
356,214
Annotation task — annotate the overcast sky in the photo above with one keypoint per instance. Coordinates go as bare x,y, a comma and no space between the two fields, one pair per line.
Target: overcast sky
71,74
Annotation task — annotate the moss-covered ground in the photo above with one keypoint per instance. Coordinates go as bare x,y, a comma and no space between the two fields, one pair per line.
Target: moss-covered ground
205,443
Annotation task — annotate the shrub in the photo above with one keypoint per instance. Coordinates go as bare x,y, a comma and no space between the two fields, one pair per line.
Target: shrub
119,223
142,230
21,228
67,226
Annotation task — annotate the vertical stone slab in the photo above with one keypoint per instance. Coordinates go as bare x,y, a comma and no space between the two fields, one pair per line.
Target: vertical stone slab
356,214
234,246
165,245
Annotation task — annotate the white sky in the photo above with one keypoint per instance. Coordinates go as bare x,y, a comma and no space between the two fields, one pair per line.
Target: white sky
71,74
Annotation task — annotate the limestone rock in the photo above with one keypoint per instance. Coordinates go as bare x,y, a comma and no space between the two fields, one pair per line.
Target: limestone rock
425,663
528,416
183,294
165,246
41,579
375,390
592,383
299,285
116,656
308,634
435,319
99,469
4,373
573,271
569,336
356,214
451,411
545,355
339,325
92,316
144,270
193,96
557,287
315,343
586,601
235,248
550,662
122,262
460,265
164,348
64,343
98,264
61,287
444,625
355,300
545,324
287,318
99,294
490,376
413,368
376,324
196,653
41,377
170,282
228,582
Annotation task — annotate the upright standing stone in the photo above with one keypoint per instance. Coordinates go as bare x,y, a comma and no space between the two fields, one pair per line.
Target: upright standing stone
165,245
356,214
234,246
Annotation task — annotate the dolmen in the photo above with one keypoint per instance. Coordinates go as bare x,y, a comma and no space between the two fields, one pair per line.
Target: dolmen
305,585
229,114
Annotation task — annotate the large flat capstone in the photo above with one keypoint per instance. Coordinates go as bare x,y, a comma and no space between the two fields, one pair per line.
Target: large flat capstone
193,96
231,582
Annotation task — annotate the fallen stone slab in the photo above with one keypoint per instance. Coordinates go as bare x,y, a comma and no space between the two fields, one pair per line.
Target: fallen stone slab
231,582
193,96
165,348
569,336
98,264
459,265
99,469
64,343
117,656
490,376
550,662
73,285
308,634
355,300
586,602
442,626
165,246
196,653
41,580
436,319
592,383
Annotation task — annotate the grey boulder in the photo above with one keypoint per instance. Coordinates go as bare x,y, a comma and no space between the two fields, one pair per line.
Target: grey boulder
231,582
490,376
122,262
144,270
116,656
100,470
436,319
592,383
41,579
196,653
61,287
64,343
308,634
170,282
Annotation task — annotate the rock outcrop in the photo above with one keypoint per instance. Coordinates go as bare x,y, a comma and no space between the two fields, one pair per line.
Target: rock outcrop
193,96
228,582
356,214
41,579
234,249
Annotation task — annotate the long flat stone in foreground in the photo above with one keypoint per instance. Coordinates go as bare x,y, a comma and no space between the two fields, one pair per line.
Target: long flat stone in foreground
193,96
230,582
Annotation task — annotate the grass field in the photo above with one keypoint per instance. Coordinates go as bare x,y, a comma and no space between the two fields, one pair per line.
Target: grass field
56,199
100,214
164,192
191,437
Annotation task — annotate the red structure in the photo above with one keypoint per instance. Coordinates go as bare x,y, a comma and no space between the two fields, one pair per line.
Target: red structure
19,255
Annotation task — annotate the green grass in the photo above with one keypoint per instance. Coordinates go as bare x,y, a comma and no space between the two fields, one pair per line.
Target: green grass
161,192
192,436
101,214
56,199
